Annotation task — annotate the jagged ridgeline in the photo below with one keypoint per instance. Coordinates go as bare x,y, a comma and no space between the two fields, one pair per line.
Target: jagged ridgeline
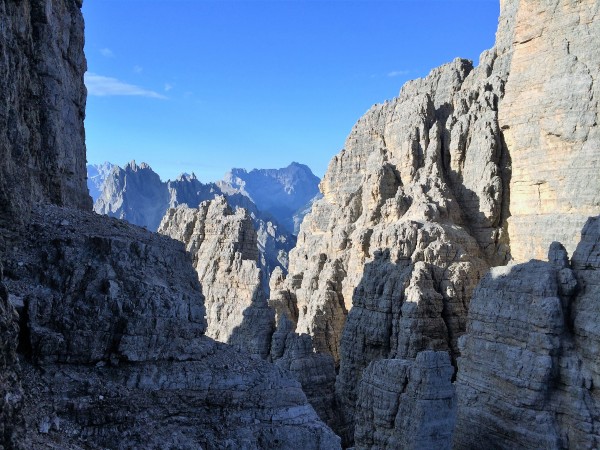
413,315
276,200
468,168
108,348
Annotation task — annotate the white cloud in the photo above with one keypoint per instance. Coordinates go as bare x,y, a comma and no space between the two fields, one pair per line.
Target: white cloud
107,52
168,87
101,86
138,69
397,73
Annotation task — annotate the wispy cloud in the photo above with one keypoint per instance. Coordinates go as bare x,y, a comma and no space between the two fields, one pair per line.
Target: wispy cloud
138,69
397,73
101,86
168,87
107,52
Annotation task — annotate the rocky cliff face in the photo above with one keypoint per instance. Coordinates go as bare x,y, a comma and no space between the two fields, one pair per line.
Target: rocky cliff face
110,340
431,189
529,362
407,404
283,193
134,193
223,245
115,356
549,118
42,139
11,393
411,219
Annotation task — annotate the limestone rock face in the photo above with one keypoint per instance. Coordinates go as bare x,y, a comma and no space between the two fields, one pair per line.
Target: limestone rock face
407,404
411,219
222,242
42,138
431,189
223,245
549,117
115,354
530,357
431,156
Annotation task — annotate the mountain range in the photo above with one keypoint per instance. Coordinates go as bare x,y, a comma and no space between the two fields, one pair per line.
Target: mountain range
276,201
443,293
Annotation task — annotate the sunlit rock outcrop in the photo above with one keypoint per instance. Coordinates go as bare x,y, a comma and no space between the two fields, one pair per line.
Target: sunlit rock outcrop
465,170
223,245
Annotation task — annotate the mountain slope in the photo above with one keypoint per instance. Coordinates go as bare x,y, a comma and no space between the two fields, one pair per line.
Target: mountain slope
464,170
96,175
279,192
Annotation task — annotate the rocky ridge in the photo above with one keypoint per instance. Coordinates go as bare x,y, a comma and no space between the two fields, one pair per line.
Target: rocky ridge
415,210
284,193
428,194
223,245
136,193
96,175
399,242
111,347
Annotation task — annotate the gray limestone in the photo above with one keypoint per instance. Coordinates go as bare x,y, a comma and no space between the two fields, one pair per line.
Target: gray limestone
529,359
407,404
42,140
136,193
114,351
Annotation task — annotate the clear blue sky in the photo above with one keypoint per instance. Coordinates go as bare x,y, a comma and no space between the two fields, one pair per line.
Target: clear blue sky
204,86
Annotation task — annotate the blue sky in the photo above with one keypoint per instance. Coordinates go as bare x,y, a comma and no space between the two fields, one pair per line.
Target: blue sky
203,86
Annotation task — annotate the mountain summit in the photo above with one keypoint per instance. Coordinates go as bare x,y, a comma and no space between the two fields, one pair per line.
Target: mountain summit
280,192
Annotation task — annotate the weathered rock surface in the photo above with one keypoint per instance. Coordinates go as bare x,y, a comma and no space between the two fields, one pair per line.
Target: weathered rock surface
314,371
428,193
408,225
222,242
96,175
549,118
407,404
284,193
11,393
223,245
115,353
529,362
111,341
42,140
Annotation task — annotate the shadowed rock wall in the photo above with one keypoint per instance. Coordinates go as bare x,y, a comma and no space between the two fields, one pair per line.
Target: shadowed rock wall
42,139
